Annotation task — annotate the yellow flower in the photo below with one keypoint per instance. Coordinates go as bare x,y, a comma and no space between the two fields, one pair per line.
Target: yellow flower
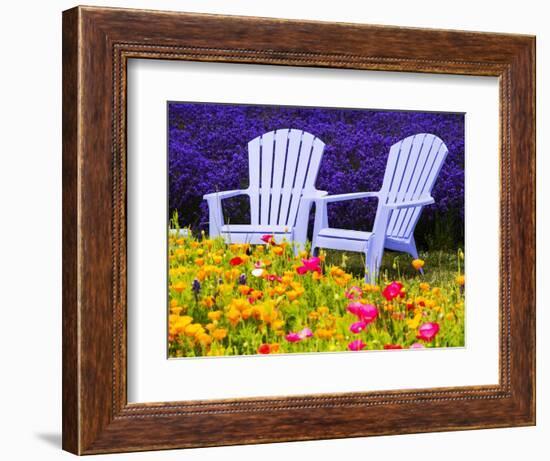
286,279
235,247
217,259
208,301
324,333
436,291
233,316
199,261
277,324
244,289
215,315
239,304
322,310
314,315
292,295
317,276
225,288
204,338
460,280
413,323
424,286
178,287
256,294
200,252
192,329
278,250
219,334
210,327
418,264
450,316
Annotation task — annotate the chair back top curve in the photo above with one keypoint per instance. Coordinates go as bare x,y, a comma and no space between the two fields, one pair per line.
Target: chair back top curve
283,164
412,168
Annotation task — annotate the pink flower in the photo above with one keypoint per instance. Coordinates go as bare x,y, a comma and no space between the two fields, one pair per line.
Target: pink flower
417,346
267,239
356,345
354,293
293,337
273,278
303,334
365,312
357,327
392,290
259,264
427,331
309,265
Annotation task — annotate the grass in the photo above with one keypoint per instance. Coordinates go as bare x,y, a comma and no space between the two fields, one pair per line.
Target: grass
440,266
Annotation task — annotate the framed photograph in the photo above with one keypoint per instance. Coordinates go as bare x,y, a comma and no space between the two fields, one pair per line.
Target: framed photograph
284,230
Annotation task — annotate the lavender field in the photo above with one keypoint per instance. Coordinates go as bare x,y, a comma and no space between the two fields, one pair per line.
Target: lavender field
208,152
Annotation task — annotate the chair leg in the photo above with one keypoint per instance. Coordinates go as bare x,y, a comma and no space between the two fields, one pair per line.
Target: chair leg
414,253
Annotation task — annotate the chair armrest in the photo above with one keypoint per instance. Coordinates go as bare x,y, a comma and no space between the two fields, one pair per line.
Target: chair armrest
411,203
352,196
224,194
314,194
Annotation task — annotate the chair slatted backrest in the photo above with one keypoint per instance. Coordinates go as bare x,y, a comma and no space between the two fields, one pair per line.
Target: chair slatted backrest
412,168
283,164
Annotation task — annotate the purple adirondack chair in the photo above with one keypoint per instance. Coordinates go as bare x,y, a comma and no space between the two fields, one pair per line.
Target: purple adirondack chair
412,168
283,167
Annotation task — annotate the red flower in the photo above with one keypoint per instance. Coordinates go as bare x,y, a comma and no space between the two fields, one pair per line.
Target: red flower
236,261
410,306
392,290
269,239
273,278
264,349
392,346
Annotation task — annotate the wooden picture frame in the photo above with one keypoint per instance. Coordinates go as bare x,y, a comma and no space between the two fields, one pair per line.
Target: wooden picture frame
97,43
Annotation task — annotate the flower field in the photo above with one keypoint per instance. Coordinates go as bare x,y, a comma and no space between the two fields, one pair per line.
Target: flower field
240,299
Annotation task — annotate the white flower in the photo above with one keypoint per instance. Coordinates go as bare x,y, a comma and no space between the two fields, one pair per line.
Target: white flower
257,272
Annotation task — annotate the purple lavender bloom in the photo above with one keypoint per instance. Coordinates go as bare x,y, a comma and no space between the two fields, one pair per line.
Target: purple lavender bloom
207,148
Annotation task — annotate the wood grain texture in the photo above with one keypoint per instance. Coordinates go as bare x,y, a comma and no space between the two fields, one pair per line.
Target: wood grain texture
97,43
